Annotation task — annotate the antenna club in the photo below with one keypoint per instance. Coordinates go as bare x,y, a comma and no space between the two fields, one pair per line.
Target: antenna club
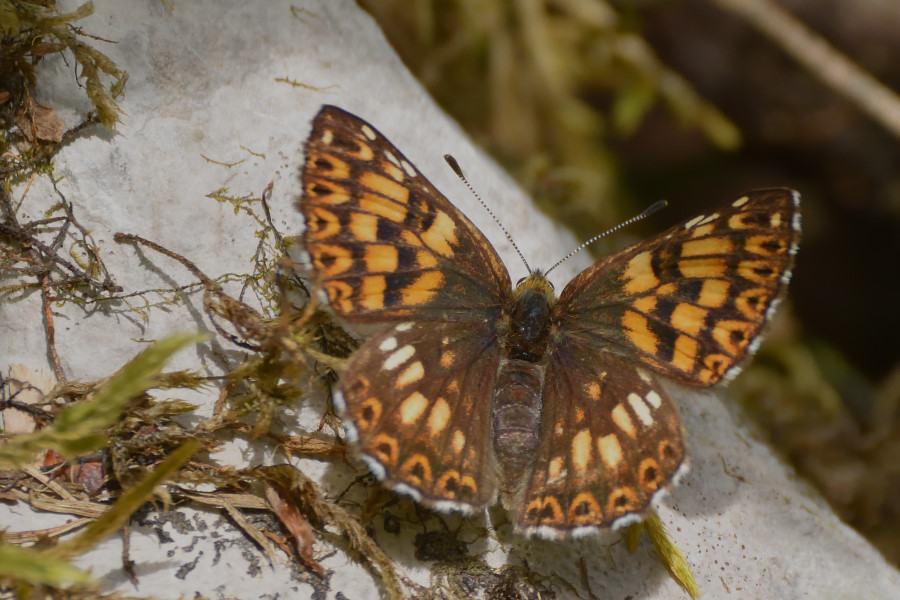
455,166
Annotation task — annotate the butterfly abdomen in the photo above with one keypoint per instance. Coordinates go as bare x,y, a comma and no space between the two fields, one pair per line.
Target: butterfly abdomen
516,419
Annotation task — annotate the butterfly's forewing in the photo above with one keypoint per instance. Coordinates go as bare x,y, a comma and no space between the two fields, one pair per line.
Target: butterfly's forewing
690,303
416,402
382,241
610,441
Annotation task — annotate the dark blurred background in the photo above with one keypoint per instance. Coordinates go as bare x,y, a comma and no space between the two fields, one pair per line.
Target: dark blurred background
601,108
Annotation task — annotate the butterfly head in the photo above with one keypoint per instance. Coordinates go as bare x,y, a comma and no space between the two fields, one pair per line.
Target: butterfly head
535,282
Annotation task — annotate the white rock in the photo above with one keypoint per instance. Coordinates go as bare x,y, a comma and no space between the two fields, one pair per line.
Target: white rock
203,82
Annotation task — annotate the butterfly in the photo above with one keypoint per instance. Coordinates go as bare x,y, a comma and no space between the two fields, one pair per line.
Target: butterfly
476,390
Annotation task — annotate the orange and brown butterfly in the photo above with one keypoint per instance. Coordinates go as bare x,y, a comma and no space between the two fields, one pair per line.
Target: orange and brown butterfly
476,390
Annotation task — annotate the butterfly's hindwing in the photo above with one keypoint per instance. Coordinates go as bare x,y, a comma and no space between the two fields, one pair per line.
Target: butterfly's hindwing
610,442
414,400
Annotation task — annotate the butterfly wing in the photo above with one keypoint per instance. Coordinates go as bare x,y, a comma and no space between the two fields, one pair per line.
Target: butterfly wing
690,304
415,400
384,243
610,442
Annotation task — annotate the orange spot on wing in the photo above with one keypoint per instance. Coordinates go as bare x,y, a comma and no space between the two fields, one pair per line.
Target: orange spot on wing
706,247
705,268
417,470
448,357
685,356
321,223
410,238
458,441
339,295
386,187
556,469
751,303
438,417
649,475
645,304
759,271
381,258
702,230
585,510
372,292
412,408
423,289
638,332
384,448
581,450
622,501
363,226
610,451
318,191
410,375
713,293
393,171
330,259
638,275
732,336
666,289
688,318
425,260
766,245
382,207
328,165
441,236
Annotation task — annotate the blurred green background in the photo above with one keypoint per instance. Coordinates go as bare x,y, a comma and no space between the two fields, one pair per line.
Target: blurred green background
601,108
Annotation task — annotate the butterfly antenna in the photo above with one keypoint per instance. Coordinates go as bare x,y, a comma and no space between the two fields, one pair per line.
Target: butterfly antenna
656,206
456,169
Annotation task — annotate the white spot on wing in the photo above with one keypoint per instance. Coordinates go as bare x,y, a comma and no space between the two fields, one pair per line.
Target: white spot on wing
709,219
640,409
393,159
693,221
653,398
398,357
374,466
446,506
388,344
368,132
406,490
410,170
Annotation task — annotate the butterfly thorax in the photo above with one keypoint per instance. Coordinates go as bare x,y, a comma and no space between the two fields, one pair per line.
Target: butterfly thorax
529,318
517,400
